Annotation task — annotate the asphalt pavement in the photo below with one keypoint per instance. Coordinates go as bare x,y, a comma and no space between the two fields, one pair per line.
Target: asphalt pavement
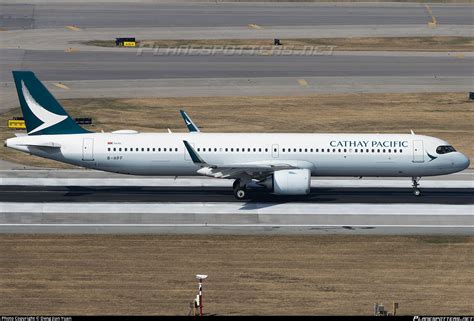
125,15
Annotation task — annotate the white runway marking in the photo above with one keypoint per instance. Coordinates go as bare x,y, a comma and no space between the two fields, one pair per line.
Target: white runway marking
197,208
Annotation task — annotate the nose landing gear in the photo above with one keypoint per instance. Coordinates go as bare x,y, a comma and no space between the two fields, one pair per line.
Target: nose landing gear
415,185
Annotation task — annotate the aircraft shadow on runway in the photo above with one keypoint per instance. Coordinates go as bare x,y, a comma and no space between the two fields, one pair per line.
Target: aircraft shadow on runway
223,194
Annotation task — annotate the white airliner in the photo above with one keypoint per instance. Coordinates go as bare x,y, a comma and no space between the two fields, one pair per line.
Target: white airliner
283,163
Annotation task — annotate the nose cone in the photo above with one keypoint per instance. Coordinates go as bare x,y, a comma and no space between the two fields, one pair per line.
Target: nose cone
462,161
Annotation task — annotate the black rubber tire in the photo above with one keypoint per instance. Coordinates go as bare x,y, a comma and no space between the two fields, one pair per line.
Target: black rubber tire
240,193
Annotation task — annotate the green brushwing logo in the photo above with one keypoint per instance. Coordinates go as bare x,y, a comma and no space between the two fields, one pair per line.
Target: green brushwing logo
431,157
42,112
48,118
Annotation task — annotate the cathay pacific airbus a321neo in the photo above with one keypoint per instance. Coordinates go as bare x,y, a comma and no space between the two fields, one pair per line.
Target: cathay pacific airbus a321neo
283,163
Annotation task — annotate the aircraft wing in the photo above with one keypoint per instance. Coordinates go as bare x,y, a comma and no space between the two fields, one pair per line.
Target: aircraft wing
192,127
230,171
252,170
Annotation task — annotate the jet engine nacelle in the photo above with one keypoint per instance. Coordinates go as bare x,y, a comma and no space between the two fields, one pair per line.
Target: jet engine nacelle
289,182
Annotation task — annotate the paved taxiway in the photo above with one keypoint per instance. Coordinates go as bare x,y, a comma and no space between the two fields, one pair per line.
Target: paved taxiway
34,37
124,74
56,65
124,15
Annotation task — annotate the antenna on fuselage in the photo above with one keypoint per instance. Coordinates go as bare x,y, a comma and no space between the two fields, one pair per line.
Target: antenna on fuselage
412,132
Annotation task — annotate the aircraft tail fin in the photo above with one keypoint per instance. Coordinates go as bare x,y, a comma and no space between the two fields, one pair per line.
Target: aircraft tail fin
42,112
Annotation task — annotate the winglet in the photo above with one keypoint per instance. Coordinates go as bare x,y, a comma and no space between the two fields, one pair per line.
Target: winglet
189,123
194,155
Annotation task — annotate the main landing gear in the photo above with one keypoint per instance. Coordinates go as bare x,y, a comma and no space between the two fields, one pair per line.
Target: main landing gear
415,185
240,191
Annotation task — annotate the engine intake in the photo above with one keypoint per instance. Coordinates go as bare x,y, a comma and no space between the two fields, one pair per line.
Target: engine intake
289,182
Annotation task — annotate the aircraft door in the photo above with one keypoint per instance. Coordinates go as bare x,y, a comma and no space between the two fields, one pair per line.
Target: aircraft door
275,150
88,149
418,151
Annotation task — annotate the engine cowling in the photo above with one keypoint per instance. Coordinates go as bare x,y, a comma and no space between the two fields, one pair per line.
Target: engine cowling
290,182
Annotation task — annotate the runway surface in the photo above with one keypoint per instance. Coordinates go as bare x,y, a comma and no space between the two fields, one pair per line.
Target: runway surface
56,65
123,15
235,218
137,194
73,201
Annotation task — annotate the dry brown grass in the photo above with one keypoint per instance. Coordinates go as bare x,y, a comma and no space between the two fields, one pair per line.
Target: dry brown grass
330,274
443,43
445,115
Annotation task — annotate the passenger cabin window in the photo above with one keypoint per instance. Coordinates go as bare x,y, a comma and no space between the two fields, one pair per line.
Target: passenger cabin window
445,149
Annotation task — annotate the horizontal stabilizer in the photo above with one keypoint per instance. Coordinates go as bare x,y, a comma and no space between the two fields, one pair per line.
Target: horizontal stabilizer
46,145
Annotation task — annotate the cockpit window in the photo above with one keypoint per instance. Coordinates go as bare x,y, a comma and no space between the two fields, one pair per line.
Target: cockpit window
445,149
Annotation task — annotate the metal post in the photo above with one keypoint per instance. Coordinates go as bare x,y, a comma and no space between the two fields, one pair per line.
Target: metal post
200,277
200,297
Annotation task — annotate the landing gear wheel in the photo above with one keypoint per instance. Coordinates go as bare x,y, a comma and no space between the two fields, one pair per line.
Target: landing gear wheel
415,185
240,193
